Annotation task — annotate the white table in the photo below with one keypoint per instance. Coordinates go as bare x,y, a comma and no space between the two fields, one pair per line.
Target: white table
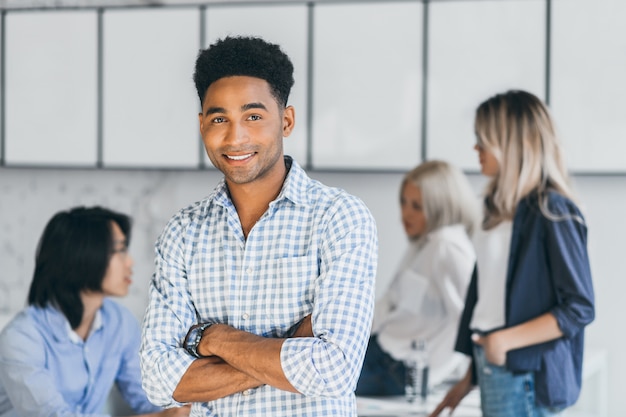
399,407
593,401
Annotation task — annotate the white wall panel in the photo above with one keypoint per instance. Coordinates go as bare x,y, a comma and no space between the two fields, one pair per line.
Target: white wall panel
367,85
1,95
478,49
51,88
588,86
150,104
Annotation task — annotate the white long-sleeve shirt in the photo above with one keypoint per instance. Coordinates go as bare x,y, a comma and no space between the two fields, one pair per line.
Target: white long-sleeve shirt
425,300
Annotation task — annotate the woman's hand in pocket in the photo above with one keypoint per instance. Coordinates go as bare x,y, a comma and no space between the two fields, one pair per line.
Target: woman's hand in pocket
494,346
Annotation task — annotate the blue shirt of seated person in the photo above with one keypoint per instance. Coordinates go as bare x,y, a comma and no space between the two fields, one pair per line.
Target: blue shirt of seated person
61,355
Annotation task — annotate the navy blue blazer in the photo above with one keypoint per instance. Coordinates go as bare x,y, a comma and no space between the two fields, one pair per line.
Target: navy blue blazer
548,271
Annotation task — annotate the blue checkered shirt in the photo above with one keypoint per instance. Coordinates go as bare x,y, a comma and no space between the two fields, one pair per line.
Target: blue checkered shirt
314,251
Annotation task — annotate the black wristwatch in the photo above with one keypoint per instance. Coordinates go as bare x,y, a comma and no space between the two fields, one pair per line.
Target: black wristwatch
192,340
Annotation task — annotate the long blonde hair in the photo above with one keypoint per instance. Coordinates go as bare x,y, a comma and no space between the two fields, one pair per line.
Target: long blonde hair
447,195
517,128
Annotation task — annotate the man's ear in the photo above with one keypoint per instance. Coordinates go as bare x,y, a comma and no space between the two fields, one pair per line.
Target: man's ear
289,120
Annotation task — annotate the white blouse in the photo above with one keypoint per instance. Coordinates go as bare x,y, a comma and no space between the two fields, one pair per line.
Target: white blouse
492,258
425,300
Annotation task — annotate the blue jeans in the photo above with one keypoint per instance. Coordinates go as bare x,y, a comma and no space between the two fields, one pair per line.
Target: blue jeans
381,374
505,394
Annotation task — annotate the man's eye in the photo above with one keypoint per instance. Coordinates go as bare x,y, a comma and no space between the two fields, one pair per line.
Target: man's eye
218,120
254,117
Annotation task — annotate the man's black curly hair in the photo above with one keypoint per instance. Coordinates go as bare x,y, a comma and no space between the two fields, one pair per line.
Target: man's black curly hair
249,56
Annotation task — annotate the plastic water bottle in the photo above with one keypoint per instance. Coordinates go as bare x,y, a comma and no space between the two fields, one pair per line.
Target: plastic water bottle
416,373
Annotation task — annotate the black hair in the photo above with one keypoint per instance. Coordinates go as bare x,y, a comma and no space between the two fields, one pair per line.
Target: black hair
248,56
72,256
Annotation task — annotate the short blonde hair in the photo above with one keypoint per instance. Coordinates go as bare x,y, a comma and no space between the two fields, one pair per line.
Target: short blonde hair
517,128
447,196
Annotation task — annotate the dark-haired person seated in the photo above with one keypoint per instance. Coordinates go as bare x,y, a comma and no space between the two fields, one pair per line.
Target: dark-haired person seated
62,354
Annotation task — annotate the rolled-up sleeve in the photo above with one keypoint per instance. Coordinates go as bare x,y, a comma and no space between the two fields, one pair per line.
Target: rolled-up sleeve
169,315
569,264
329,364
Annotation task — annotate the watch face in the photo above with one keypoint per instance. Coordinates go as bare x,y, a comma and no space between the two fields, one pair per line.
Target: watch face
198,335
193,338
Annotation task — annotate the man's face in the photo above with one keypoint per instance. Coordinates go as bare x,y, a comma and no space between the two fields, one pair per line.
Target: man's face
242,127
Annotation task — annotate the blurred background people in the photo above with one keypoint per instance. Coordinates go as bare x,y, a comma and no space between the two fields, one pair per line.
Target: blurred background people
532,257
62,354
426,296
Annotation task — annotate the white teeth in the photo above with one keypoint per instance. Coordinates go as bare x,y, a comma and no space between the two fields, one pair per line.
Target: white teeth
239,157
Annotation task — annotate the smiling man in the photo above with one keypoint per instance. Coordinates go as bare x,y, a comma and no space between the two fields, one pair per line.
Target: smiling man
262,298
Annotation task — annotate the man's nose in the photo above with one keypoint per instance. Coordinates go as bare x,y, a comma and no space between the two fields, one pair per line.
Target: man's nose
237,133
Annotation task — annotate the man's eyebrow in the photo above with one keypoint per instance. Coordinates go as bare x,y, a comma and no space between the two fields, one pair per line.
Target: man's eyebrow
256,105
253,106
213,110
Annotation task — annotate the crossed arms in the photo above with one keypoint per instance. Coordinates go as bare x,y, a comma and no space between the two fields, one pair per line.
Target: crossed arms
254,345
236,361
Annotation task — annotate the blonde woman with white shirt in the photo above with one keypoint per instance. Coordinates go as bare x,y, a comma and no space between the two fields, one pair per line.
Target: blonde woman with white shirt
531,298
426,296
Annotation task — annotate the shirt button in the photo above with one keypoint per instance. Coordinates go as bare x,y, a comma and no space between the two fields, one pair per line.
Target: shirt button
246,392
249,271
245,316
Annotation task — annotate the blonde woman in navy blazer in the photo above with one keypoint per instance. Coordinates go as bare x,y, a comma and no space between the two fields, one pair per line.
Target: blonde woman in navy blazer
531,295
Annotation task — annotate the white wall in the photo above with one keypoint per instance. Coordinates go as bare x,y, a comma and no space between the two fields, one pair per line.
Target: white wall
29,197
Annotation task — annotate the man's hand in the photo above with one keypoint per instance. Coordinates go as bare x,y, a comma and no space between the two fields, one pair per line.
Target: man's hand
305,328
211,378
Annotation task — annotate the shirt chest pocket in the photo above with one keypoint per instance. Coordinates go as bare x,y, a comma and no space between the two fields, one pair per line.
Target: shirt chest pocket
289,292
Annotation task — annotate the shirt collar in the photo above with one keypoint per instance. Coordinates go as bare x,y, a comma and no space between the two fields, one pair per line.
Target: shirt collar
60,326
96,325
294,188
295,185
